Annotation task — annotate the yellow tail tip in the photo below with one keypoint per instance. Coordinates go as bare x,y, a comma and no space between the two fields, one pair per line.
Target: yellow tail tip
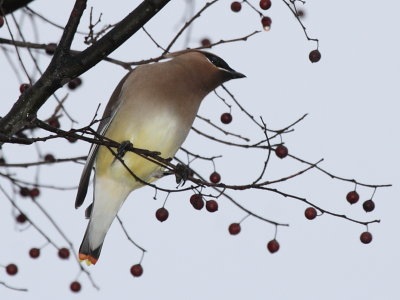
88,259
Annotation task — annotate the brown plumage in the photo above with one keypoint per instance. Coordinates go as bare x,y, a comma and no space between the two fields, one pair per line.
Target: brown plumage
153,107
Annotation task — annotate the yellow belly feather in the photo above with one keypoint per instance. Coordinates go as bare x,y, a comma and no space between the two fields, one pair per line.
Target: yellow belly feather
163,134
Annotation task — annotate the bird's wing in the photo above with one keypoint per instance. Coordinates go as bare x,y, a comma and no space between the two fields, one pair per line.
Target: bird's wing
109,114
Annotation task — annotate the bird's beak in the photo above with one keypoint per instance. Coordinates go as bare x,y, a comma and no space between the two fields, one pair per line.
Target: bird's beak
234,74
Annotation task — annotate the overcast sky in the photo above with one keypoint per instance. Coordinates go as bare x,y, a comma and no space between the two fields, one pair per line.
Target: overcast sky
351,97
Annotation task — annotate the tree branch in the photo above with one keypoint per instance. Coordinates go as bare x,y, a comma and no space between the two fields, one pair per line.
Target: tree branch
65,66
9,6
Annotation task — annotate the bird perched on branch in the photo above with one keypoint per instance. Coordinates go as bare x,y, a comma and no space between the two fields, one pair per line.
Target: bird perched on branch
153,107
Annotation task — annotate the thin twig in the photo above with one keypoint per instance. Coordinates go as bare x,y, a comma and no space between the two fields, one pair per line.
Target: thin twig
17,50
294,11
286,195
128,236
38,163
48,21
255,146
13,288
338,177
21,183
152,39
200,156
14,204
239,205
223,130
64,236
268,154
229,41
187,24
240,106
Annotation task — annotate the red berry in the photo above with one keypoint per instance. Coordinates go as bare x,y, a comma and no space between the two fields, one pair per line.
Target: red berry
63,253
21,218
49,158
50,48
74,83
281,151
11,269
205,42
300,13
215,177
34,192
314,56
23,87
197,201
24,192
137,270
212,205
369,205
273,246
75,286
54,122
265,4
162,214
352,197
34,252
234,228
1,21
266,23
366,237
226,118
310,213
236,6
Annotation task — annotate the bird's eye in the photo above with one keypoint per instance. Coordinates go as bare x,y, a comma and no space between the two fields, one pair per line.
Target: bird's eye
214,60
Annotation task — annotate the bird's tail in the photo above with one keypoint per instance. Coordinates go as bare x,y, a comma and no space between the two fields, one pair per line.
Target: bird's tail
108,199
86,253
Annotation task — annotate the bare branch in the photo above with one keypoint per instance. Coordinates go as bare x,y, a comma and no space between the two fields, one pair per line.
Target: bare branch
63,66
38,163
13,288
223,130
9,6
187,24
338,177
128,236
35,13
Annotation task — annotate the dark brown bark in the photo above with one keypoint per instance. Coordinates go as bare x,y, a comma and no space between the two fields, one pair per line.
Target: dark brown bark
8,6
65,66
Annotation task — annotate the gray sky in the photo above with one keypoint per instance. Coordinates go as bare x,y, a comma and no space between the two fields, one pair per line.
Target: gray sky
351,97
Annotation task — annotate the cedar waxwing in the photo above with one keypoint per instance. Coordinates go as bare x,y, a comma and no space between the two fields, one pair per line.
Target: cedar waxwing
153,107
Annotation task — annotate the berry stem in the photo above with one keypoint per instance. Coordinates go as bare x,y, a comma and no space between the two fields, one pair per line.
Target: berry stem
166,198
252,6
142,256
276,232
373,193
244,218
294,11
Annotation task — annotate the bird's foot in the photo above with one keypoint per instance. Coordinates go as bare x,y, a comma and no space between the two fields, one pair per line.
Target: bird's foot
182,173
123,148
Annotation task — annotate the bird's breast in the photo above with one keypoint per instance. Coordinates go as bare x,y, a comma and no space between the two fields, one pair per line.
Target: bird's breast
150,127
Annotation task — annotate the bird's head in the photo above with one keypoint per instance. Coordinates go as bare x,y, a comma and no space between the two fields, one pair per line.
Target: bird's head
207,67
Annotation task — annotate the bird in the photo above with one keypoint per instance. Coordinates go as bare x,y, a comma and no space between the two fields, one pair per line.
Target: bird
153,107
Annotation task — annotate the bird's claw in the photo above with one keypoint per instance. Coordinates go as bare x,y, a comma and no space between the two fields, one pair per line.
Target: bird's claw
123,148
183,172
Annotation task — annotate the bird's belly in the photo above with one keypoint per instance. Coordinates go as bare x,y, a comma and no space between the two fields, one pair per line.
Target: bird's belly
163,133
